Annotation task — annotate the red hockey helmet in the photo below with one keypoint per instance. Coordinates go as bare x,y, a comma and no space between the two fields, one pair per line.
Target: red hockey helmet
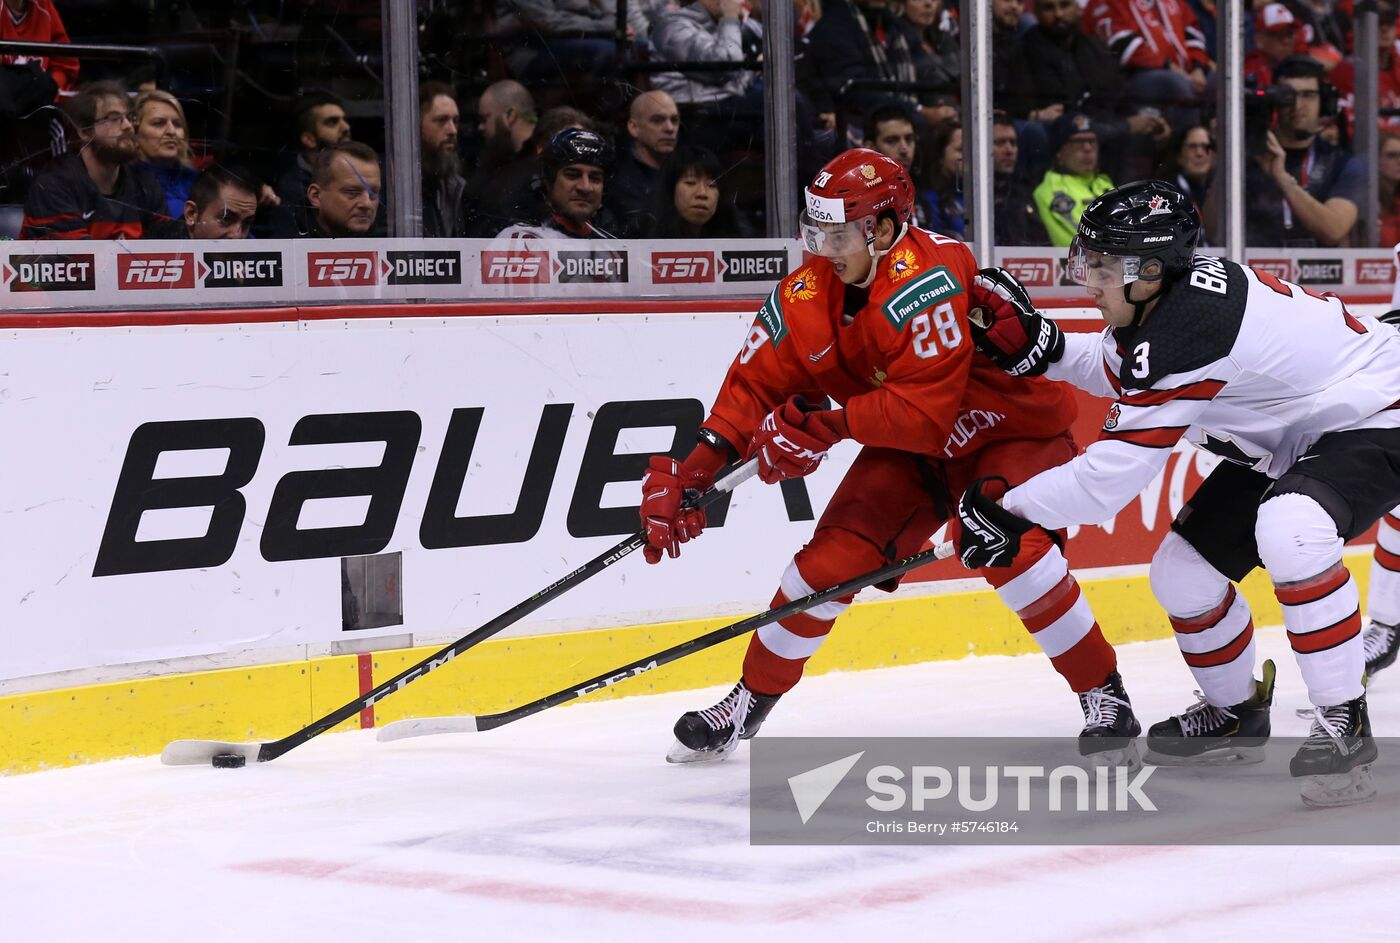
848,195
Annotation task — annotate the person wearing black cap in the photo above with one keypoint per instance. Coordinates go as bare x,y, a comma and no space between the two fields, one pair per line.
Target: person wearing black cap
572,168
1074,181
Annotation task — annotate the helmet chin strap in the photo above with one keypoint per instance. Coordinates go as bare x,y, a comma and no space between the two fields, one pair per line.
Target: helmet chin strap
1139,307
875,256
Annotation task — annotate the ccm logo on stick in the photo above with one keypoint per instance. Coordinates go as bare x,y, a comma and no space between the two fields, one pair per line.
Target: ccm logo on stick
139,489
520,267
675,268
326,269
155,271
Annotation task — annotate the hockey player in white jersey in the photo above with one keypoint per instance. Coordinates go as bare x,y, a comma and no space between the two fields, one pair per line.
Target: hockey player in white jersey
1302,401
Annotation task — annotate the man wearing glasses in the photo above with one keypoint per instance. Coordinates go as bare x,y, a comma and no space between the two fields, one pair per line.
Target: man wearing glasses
95,193
1302,191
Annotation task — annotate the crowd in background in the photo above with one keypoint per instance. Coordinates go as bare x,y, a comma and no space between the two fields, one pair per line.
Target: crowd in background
557,125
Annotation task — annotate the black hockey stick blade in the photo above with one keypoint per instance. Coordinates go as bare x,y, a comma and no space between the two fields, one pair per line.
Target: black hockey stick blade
202,752
468,723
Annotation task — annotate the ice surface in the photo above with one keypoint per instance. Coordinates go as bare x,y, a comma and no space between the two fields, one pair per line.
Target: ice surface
569,825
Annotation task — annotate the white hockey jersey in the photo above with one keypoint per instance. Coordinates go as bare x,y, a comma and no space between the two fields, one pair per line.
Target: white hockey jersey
1245,365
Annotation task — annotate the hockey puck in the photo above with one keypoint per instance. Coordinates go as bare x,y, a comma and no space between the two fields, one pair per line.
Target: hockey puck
229,760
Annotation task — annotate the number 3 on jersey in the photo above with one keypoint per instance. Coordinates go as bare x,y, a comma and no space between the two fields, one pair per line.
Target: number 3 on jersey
932,328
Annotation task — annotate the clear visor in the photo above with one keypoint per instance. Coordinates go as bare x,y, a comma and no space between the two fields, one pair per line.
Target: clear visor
835,240
1096,270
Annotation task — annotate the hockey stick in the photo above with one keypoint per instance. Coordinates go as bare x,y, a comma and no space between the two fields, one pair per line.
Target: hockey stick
195,752
466,723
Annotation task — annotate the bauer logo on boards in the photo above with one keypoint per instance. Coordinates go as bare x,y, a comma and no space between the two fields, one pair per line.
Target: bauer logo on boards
514,267
344,269
155,270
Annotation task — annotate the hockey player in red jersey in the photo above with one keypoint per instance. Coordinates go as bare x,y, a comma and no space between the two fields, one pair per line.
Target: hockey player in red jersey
1302,401
877,320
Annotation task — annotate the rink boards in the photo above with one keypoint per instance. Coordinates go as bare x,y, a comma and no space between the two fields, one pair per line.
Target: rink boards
188,490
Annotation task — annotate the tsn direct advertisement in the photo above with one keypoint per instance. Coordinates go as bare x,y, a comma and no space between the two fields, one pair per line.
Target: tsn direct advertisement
39,276
248,456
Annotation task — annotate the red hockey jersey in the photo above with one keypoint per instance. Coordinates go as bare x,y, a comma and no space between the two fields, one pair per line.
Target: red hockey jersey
1148,34
902,364
41,24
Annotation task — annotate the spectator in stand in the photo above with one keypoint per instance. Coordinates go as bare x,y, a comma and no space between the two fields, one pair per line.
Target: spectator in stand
1190,164
37,21
689,203
937,54
1302,191
1161,48
162,143
653,126
1074,181
444,212
221,205
527,200
1061,66
507,123
1015,218
1006,51
96,193
1011,16
344,191
945,180
548,54
1275,39
704,31
320,123
1324,29
889,129
1387,67
1389,174
572,168
856,45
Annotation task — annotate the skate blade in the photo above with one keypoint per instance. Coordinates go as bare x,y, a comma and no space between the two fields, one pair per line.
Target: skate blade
1349,788
1232,755
1127,759
682,754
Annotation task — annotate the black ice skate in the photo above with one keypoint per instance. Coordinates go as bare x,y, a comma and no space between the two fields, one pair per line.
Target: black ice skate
1381,642
714,732
1109,724
1207,735
1335,761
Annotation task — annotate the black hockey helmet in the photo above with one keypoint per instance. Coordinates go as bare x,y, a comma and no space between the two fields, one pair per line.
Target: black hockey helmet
1138,223
576,146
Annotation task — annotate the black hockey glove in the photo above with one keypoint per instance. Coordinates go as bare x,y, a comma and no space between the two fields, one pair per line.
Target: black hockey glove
1007,328
984,532
1392,318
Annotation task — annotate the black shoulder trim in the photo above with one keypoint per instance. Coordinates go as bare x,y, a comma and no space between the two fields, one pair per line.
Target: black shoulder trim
1195,325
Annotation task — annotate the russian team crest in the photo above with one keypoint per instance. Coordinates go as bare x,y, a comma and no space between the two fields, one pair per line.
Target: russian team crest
803,286
903,263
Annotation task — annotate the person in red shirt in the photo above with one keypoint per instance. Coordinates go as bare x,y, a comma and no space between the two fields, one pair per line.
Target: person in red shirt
1388,173
1387,65
1160,46
877,320
37,21
1275,39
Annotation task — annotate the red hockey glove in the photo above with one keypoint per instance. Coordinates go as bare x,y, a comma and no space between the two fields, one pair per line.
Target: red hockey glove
984,532
791,443
667,524
1007,328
